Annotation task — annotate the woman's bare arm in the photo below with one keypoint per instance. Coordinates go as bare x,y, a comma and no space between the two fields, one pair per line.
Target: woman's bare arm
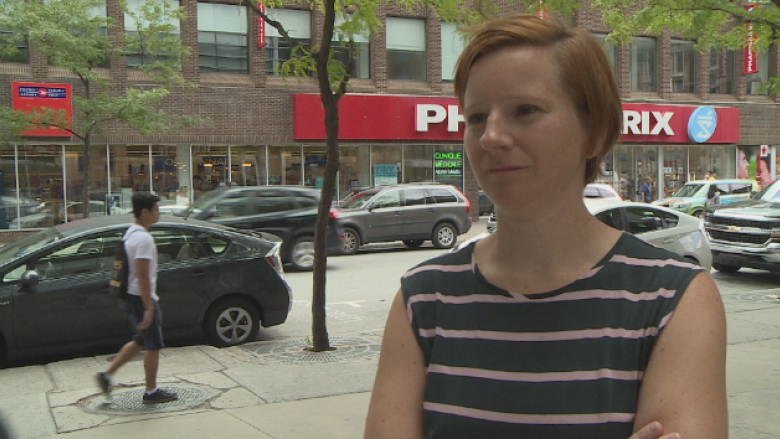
684,386
396,401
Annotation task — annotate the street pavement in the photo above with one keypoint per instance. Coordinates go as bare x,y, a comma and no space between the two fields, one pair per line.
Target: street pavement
276,389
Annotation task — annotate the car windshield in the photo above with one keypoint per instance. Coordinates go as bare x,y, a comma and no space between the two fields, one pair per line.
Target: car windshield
689,190
359,200
769,193
28,244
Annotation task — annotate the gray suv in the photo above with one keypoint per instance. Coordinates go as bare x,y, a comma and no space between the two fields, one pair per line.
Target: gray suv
412,213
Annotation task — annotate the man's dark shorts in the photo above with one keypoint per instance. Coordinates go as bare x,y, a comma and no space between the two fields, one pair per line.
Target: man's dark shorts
151,337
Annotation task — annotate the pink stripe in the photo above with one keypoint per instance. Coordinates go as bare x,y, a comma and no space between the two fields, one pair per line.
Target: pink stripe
583,334
442,268
652,262
665,320
522,418
546,377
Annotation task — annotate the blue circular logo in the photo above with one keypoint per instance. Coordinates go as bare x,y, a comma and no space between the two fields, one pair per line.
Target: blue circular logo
702,124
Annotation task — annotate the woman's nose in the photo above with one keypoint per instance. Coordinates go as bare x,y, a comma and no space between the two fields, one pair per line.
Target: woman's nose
496,134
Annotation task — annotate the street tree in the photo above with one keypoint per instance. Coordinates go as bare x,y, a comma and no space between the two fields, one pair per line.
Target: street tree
332,65
75,35
710,23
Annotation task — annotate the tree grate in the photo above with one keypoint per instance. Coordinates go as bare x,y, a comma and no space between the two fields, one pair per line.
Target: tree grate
293,351
130,401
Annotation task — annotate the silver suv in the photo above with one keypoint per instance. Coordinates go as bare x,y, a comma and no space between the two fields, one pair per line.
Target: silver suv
412,213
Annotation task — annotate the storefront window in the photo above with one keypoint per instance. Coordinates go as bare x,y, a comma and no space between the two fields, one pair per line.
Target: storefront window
627,182
756,80
248,165
674,172
7,185
129,173
170,173
406,56
40,187
354,169
647,167
643,64
315,158
284,165
97,200
211,166
720,159
448,162
721,71
418,163
683,67
385,164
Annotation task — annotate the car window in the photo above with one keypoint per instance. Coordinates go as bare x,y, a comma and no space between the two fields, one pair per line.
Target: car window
269,202
611,218
442,195
643,220
176,245
232,205
214,245
670,220
591,192
414,197
91,254
689,190
359,200
740,188
305,201
388,199
15,274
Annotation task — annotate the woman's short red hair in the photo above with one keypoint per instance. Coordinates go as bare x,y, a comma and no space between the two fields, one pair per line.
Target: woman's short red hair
585,73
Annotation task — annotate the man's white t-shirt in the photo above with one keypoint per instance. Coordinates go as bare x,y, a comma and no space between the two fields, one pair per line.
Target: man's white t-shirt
139,244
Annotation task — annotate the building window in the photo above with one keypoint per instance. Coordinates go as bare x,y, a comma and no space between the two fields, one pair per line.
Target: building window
607,47
134,21
406,56
756,80
643,64
298,26
451,47
721,71
683,67
13,39
361,53
222,38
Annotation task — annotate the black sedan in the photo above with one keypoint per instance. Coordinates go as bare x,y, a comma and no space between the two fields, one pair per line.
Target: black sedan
213,282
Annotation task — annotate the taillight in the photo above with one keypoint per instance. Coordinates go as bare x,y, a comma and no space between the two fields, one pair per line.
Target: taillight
334,214
468,203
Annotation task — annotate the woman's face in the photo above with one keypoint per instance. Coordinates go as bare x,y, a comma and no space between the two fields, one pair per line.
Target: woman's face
763,171
742,164
524,139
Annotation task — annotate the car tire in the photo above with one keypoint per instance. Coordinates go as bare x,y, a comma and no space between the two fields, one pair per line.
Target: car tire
698,214
302,253
231,322
723,268
444,236
351,241
413,243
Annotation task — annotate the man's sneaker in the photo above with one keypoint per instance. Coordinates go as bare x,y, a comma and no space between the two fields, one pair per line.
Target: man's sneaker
160,396
104,382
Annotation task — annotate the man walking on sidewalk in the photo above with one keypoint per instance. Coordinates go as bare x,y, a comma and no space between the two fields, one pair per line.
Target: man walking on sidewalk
141,304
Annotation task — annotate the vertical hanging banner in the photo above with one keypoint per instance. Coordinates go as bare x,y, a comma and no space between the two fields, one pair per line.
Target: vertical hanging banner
750,45
261,26
31,97
542,10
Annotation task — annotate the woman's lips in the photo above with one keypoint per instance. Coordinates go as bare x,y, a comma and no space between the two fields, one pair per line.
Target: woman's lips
505,169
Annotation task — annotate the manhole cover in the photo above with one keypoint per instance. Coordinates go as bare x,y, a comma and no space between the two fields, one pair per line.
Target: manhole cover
293,350
767,296
130,401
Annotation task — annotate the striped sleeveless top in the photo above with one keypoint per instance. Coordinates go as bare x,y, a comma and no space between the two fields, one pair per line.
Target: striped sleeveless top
563,364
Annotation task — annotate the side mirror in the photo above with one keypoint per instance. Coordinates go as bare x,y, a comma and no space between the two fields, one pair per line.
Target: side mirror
371,207
30,278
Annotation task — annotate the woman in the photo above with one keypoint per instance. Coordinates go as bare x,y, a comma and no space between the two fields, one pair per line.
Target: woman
713,197
555,325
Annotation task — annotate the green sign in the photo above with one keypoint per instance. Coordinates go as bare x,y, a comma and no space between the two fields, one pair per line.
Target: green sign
448,164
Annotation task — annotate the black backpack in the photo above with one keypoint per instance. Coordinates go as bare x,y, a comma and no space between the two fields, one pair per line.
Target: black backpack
120,275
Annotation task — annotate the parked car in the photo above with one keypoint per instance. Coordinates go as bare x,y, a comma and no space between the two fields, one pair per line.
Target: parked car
412,213
288,212
9,212
215,282
663,227
745,233
173,209
485,204
596,190
691,197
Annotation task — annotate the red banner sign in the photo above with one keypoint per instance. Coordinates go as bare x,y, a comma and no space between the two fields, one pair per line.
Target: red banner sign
261,26
750,46
419,118
37,97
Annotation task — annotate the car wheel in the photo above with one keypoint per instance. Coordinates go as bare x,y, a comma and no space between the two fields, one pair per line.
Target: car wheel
413,243
231,322
723,268
444,236
351,241
699,214
302,253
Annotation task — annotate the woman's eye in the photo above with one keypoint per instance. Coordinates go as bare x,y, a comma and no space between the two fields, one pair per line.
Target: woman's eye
475,118
525,110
